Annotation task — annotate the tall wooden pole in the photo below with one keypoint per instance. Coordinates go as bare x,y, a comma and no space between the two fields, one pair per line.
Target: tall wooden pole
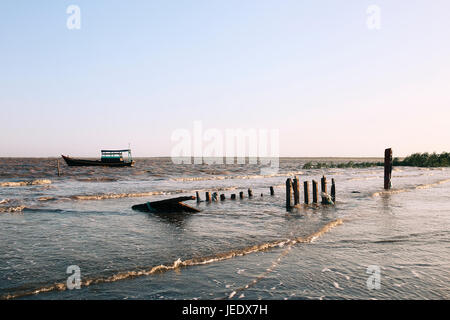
272,192
387,168
197,195
208,196
59,170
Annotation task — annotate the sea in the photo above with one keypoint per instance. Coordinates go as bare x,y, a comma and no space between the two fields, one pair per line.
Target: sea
75,236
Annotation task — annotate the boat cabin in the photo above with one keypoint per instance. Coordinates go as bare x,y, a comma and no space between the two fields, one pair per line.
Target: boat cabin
116,156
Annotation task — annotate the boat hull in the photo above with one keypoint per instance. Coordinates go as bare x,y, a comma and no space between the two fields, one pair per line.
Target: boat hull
71,162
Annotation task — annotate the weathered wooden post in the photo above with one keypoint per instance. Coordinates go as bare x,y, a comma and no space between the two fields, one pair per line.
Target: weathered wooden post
250,193
197,195
333,191
288,194
306,192
57,166
214,196
387,168
272,192
241,195
233,197
296,187
324,189
314,187
222,197
208,197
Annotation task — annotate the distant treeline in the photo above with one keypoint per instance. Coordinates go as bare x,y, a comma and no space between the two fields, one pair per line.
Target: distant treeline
350,164
414,160
424,160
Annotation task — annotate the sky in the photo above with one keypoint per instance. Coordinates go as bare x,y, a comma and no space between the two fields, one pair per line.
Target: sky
137,71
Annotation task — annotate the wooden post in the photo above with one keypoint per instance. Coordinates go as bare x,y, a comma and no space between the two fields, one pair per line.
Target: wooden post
241,195
387,168
233,197
324,189
214,196
296,187
288,194
208,196
306,186
57,166
262,195
197,195
314,187
333,191
272,192
222,197
250,193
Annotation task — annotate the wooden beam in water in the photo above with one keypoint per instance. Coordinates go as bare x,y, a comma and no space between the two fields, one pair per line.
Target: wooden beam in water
250,193
333,191
387,168
296,187
208,196
241,195
324,189
272,192
222,197
197,196
306,192
314,188
288,194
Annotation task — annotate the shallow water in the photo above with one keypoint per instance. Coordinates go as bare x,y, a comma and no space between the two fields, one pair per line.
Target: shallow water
243,249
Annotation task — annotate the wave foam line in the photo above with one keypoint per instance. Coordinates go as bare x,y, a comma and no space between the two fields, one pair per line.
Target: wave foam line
106,196
255,176
11,209
290,243
25,183
186,263
418,187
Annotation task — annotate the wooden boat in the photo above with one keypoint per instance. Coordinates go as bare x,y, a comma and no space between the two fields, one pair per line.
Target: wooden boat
110,158
174,205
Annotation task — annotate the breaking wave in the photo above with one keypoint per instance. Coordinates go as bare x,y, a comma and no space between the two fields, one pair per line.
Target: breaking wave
184,263
25,183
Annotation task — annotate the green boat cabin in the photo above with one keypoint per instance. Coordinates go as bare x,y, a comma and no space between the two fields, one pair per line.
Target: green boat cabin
116,156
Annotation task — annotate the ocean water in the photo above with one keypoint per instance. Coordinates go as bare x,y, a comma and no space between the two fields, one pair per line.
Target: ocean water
242,249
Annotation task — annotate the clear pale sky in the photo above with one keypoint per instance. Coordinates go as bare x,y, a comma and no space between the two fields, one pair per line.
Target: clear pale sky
138,70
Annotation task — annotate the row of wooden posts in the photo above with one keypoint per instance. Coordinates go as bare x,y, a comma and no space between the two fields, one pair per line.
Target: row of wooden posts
215,196
293,188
